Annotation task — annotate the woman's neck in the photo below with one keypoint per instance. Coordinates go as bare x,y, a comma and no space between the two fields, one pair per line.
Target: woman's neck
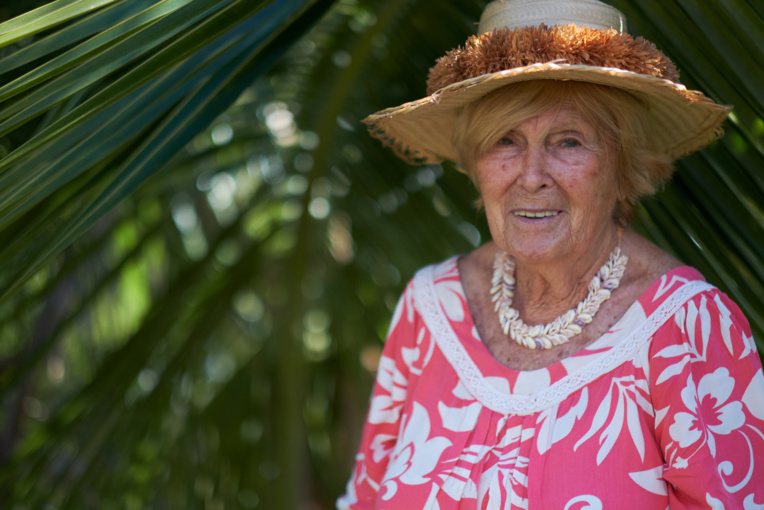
546,290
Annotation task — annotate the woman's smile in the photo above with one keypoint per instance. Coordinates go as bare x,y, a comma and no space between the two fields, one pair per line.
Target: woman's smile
535,215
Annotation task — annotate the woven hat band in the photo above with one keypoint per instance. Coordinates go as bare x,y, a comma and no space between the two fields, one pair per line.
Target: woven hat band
514,14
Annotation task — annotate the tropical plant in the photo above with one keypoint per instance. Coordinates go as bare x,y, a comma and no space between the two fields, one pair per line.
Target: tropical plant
201,246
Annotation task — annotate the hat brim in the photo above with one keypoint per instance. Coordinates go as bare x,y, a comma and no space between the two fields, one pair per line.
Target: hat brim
682,121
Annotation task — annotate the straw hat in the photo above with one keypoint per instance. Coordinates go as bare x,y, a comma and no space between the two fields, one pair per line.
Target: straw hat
579,40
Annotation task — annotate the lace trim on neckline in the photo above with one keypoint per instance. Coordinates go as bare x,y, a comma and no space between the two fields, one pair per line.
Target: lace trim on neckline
498,401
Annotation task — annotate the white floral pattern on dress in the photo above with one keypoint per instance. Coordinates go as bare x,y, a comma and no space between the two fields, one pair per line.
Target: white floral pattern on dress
630,398
708,411
416,454
680,423
386,406
591,501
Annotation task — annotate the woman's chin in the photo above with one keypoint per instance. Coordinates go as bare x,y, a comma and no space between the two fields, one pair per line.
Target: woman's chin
543,243
538,253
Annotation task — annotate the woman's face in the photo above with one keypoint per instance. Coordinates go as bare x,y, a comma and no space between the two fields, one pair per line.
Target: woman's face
549,189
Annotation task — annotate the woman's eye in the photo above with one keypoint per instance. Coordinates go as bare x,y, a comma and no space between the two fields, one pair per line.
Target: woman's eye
506,141
570,142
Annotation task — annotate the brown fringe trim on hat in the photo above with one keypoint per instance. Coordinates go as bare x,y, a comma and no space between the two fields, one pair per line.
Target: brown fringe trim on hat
505,49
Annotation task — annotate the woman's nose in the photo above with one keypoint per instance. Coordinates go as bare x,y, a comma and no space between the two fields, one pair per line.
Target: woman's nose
534,175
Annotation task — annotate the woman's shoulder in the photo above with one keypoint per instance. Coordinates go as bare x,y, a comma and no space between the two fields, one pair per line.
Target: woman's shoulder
446,268
424,289
707,326
647,262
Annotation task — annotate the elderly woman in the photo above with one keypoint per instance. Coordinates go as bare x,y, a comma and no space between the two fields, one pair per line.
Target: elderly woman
569,363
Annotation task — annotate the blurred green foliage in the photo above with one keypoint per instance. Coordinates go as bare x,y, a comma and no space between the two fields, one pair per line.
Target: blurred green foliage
201,247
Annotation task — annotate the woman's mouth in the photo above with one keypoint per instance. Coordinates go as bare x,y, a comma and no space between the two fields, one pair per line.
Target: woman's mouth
535,214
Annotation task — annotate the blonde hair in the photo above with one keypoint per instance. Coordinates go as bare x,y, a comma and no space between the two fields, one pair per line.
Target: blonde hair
617,116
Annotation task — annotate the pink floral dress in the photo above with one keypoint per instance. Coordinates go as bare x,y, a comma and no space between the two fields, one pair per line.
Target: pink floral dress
664,410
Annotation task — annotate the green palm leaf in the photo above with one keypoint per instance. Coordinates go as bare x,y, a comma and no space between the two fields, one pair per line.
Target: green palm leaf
45,17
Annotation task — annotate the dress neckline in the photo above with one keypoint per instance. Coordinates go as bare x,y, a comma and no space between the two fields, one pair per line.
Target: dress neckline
611,337
435,288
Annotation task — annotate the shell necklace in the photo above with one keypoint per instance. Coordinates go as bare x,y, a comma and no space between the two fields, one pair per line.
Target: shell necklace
560,330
